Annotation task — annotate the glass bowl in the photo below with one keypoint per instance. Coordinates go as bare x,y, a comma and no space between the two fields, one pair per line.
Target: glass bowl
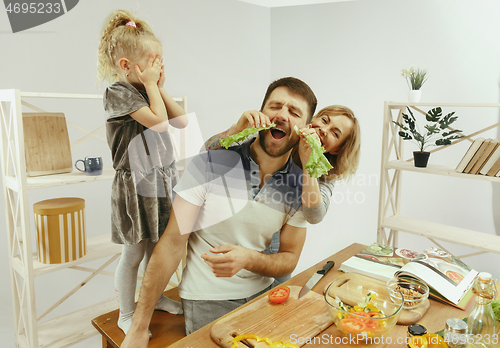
363,311
414,292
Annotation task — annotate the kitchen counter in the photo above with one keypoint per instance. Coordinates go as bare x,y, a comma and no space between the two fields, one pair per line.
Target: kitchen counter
168,329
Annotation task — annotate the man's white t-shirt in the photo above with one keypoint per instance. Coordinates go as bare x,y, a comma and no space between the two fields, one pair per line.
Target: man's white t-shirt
225,184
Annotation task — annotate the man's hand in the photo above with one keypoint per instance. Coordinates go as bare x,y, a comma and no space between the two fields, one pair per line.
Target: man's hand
231,260
136,339
251,118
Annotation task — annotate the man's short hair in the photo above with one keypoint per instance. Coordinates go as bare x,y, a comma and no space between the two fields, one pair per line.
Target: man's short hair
295,86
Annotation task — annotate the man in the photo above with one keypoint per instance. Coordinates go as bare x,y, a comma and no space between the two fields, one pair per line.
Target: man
228,204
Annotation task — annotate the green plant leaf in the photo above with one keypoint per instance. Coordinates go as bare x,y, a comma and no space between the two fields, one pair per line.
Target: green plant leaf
455,137
405,136
440,142
402,126
434,115
410,122
447,120
431,129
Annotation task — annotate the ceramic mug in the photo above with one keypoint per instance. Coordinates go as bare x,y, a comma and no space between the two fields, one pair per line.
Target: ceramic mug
91,165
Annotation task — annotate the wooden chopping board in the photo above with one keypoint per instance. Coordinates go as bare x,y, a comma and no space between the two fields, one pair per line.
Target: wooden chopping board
46,144
305,317
407,317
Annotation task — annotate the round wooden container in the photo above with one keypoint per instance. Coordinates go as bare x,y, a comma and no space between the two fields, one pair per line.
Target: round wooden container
60,229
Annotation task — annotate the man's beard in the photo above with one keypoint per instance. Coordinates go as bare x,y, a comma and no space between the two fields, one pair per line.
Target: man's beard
273,151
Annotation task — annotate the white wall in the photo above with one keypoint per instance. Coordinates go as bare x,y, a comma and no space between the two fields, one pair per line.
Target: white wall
352,53
215,52
222,54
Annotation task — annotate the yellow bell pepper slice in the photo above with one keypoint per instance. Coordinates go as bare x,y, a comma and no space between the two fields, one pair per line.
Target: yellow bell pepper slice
277,344
249,336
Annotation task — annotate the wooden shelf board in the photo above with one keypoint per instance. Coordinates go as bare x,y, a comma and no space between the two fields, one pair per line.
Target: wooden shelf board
75,177
63,95
397,105
455,235
74,327
438,170
97,248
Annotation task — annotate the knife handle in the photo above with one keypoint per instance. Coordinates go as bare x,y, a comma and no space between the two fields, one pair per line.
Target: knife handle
326,267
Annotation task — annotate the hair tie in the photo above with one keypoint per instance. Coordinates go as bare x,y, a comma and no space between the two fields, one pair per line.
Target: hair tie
131,24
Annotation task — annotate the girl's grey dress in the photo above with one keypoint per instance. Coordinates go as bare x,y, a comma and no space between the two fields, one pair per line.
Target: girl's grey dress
141,196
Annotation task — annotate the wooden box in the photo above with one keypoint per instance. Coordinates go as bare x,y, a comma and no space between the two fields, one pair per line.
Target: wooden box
60,229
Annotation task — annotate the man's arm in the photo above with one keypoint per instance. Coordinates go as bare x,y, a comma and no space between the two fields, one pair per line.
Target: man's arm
280,264
166,257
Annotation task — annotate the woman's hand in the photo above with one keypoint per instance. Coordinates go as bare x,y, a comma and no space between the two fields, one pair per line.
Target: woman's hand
152,71
251,118
304,147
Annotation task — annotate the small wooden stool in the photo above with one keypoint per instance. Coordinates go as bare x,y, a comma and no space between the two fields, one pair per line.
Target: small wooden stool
166,328
60,229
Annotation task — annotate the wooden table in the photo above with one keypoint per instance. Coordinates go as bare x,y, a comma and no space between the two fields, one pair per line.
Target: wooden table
168,329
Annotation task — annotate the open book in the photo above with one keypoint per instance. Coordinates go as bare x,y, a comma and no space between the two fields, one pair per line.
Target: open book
449,279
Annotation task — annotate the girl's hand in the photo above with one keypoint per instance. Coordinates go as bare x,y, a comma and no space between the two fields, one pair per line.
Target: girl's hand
304,147
151,73
161,81
252,118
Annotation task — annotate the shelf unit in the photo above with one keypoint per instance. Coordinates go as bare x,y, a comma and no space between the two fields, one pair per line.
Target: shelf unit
390,221
30,330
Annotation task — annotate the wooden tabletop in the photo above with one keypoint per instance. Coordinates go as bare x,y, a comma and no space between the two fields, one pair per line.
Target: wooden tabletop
168,329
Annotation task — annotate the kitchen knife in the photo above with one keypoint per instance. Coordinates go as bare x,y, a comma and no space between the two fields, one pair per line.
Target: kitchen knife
315,278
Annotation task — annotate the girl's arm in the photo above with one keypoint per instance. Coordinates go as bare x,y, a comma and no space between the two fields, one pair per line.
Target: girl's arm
176,114
155,113
252,118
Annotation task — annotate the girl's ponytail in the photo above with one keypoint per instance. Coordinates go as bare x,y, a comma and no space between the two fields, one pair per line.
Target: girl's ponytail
122,34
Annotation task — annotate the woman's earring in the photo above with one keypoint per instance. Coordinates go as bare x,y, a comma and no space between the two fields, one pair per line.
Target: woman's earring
127,75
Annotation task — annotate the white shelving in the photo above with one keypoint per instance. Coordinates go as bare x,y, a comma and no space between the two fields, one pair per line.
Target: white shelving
30,330
390,221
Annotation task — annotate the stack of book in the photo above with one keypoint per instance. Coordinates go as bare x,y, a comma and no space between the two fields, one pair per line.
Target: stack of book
482,157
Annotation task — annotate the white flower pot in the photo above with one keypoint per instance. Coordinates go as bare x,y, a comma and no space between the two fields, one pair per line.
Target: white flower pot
414,95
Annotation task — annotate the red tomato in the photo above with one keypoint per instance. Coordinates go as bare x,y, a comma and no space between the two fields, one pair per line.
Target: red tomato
352,325
280,294
368,323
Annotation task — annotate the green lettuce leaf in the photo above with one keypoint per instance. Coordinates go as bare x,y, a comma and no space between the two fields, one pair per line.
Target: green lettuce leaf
496,309
317,164
226,142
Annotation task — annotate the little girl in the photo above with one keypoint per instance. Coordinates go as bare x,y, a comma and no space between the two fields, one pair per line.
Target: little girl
138,108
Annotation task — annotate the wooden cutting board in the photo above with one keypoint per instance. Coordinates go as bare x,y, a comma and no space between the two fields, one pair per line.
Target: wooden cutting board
305,317
46,144
407,317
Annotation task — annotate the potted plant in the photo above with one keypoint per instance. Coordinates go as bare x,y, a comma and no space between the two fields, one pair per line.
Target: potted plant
415,78
434,135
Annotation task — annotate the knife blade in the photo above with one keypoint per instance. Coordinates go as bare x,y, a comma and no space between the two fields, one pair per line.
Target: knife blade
315,278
